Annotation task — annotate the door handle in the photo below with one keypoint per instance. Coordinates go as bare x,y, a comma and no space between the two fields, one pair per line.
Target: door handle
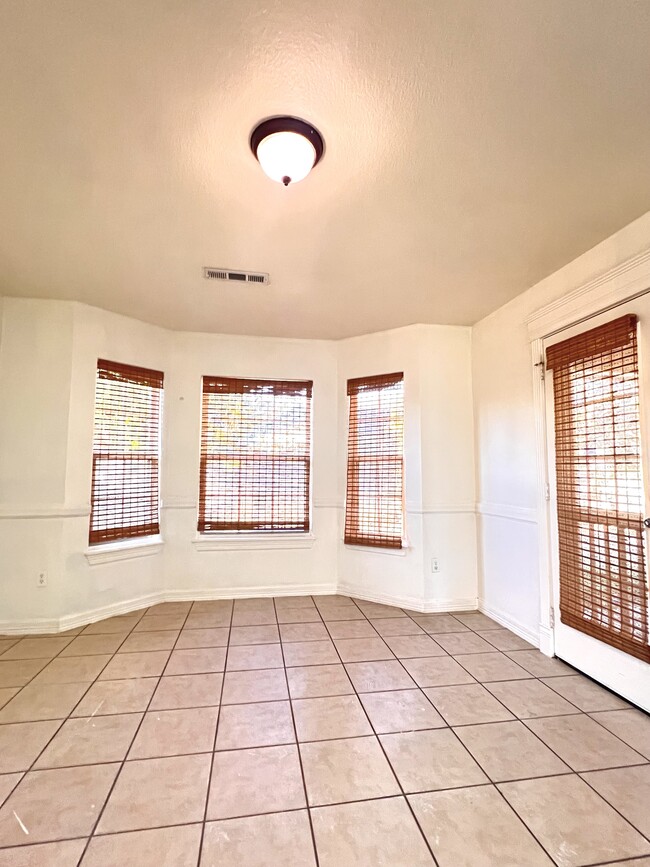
646,522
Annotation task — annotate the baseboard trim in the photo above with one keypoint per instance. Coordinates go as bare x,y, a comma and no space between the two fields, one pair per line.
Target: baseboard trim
546,640
508,622
37,626
83,618
441,606
255,592
410,602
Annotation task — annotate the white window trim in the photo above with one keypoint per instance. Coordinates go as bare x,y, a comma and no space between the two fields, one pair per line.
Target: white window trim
124,549
377,549
227,540
258,541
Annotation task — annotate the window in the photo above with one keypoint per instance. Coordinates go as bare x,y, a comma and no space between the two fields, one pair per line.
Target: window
603,590
374,509
126,452
255,455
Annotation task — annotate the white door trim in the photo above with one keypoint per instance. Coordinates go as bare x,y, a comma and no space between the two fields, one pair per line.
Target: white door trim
624,282
621,283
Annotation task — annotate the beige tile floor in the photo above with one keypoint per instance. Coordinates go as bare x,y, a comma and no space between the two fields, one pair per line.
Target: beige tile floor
304,732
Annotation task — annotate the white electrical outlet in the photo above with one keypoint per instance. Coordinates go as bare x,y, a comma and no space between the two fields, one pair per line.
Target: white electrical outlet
41,581
435,564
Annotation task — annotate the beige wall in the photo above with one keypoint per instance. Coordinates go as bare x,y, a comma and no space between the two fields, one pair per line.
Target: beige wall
507,488
439,468
48,361
36,362
469,421
191,356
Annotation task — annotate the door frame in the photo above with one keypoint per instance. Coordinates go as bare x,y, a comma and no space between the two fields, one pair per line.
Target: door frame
623,282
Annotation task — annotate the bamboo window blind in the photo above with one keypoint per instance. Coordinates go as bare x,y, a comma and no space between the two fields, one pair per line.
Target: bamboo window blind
374,511
126,452
255,455
600,498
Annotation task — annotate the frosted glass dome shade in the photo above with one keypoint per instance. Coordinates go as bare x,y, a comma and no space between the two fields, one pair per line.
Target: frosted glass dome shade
286,155
287,148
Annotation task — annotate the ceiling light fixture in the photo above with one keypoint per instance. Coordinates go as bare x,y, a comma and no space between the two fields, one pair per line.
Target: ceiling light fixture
287,148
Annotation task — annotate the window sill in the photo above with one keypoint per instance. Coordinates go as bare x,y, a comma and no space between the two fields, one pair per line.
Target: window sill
110,552
253,541
371,549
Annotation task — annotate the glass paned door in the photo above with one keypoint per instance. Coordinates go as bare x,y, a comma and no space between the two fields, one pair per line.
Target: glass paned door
597,437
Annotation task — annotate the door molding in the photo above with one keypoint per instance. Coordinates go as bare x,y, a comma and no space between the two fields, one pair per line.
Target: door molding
623,282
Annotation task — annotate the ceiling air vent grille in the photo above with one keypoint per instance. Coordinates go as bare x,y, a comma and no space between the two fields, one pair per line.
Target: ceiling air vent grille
235,276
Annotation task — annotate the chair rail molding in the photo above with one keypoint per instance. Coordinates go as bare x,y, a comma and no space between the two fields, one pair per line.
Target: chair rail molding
13,512
444,508
512,513
327,503
180,503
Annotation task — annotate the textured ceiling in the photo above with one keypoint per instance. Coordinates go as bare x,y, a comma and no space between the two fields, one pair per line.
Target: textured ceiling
472,147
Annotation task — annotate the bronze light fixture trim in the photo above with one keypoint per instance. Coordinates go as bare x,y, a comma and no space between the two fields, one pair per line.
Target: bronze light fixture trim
287,148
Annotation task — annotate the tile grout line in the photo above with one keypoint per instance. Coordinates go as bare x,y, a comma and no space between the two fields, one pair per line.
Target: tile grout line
365,618
529,719
61,720
635,859
49,660
123,762
23,774
493,783
571,772
20,846
539,678
580,775
479,765
57,655
381,746
295,734
317,741
214,741
69,715
524,824
484,785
